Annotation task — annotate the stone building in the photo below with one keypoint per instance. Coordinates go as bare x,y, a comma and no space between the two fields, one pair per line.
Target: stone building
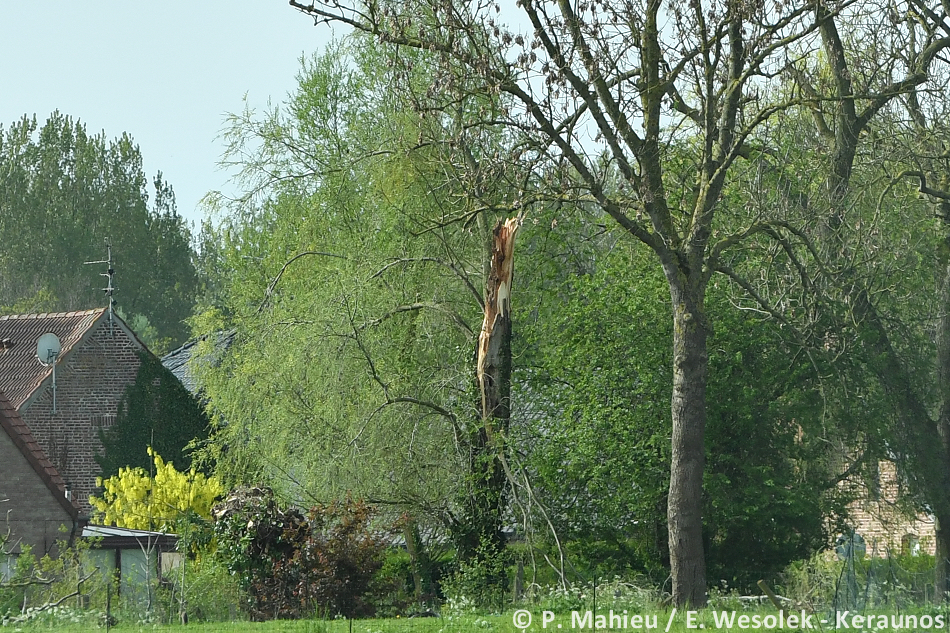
884,525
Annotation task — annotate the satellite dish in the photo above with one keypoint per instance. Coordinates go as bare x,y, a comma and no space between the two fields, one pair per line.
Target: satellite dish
48,348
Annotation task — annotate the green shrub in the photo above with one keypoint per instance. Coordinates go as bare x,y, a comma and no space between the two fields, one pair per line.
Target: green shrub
210,592
293,566
67,588
392,591
826,581
479,584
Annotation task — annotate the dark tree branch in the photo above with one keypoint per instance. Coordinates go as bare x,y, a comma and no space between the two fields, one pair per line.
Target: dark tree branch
273,284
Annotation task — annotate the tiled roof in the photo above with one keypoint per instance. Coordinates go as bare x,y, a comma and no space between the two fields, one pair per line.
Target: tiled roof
20,371
19,432
181,361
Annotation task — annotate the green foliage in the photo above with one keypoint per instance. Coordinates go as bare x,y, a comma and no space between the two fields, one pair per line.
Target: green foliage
892,582
480,580
38,592
63,193
356,315
155,411
600,446
14,587
393,585
210,592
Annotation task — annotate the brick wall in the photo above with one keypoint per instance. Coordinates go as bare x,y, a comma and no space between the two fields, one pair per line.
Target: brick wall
30,511
884,526
90,381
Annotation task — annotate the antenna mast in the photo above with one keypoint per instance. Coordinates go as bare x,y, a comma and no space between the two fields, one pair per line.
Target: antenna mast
109,289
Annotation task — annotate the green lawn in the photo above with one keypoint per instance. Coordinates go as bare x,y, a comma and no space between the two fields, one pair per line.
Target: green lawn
476,624
393,625
449,624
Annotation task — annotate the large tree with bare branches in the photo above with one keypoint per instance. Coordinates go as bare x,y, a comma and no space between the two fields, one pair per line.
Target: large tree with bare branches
590,90
863,242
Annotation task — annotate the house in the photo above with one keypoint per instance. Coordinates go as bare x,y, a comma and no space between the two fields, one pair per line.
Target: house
65,410
37,511
182,361
884,527
35,507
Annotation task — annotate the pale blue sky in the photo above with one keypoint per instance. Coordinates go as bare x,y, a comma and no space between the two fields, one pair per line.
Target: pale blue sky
165,72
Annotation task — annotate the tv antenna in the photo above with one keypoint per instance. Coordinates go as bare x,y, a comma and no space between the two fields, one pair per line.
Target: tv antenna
109,289
48,348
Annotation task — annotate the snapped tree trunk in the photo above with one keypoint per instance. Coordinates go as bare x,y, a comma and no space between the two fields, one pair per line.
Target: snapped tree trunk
480,535
684,508
494,341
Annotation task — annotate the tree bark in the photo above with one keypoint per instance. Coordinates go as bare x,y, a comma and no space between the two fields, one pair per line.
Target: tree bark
942,522
684,512
480,535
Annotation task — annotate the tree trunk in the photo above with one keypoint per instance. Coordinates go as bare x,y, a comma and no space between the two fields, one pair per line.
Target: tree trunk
494,341
414,546
684,513
942,530
942,512
480,535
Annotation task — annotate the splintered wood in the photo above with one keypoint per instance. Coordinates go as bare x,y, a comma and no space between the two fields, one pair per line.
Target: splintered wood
494,341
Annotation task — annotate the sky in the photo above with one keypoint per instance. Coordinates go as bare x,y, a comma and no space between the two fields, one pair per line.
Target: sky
165,72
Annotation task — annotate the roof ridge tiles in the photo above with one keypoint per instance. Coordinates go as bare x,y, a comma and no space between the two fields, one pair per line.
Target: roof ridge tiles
51,315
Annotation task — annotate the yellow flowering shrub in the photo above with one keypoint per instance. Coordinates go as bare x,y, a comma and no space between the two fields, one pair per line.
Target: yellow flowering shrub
135,499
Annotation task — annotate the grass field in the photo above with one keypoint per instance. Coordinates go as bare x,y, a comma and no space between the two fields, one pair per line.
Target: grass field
470,624
704,620
452,624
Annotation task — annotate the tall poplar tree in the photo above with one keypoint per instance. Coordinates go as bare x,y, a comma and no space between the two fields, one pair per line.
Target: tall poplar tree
65,194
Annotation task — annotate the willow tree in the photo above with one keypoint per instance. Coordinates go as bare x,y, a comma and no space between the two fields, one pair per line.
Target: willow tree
596,88
357,319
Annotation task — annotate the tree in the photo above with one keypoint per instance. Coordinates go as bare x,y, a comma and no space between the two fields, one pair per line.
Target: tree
63,194
864,258
634,79
156,500
599,441
353,369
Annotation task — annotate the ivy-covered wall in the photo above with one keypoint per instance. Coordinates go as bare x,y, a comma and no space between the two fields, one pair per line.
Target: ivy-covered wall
156,410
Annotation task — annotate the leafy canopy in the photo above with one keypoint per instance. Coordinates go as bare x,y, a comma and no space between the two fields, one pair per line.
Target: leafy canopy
63,194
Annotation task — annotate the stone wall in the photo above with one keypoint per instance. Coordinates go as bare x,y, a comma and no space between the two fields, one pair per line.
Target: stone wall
884,526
